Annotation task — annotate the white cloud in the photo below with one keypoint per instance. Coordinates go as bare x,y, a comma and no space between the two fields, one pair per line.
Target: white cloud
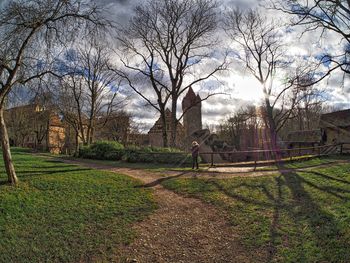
241,88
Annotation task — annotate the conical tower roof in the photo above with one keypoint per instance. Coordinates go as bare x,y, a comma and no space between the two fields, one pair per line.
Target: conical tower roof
190,98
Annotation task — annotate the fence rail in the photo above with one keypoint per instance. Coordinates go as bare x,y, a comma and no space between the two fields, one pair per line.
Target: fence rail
269,155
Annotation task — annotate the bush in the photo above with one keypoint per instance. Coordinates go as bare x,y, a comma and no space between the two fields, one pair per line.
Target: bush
104,150
141,156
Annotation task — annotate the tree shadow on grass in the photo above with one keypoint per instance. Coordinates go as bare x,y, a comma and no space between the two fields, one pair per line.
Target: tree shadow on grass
160,180
328,177
49,172
277,205
302,210
322,224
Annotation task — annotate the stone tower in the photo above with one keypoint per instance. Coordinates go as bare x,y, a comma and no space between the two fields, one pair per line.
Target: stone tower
193,116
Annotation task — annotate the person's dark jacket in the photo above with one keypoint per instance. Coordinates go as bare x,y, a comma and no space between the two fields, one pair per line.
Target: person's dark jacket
195,150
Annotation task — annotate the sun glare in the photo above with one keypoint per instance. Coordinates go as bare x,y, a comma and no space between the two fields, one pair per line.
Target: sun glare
247,89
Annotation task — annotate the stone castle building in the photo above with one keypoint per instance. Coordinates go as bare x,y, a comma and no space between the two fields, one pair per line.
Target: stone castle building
192,109
192,121
334,127
155,134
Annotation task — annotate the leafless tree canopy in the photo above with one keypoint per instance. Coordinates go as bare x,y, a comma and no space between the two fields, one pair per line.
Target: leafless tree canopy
244,123
325,16
260,47
165,43
28,32
88,96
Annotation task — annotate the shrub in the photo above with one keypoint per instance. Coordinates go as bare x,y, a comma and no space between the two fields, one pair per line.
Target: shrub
106,150
142,156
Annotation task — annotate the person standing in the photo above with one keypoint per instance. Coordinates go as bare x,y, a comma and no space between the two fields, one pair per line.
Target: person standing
195,152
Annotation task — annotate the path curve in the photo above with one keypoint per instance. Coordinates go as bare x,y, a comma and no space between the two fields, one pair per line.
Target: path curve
182,229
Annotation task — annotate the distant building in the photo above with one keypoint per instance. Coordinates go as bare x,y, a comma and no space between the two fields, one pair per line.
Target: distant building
35,127
192,108
192,122
138,139
303,138
155,134
335,127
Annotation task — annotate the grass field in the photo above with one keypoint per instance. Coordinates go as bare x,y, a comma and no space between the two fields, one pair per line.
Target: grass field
292,217
66,213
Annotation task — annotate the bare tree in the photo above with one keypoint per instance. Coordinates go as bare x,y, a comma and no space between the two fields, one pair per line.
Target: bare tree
167,42
27,30
260,48
117,128
309,109
90,89
325,16
243,122
70,103
101,86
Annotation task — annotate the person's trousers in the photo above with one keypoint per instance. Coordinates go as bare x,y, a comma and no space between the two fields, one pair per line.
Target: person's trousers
195,162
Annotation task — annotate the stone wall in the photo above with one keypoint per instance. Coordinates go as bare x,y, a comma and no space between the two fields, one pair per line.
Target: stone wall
56,139
155,134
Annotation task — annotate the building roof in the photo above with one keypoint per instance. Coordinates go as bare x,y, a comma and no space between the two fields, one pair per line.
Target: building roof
157,127
36,111
190,98
335,119
306,136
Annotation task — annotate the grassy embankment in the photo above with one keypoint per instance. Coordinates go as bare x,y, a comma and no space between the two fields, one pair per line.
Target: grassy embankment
66,213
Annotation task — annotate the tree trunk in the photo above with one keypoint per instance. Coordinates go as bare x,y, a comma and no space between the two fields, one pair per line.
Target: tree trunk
164,131
87,142
76,153
92,131
273,130
173,123
6,152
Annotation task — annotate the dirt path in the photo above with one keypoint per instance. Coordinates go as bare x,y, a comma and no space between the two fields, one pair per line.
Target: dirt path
185,229
181,229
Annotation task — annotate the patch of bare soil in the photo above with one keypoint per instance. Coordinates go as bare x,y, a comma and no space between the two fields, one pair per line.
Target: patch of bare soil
185,230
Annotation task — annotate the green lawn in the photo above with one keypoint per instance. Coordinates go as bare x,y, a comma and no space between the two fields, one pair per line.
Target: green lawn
294,217
65,213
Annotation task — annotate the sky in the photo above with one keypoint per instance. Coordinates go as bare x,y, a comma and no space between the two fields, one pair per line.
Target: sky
237,86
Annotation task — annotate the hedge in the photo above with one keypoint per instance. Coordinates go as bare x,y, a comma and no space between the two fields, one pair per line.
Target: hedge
106,150
102,150
179,158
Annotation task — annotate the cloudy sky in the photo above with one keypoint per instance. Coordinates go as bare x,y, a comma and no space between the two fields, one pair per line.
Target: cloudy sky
239,86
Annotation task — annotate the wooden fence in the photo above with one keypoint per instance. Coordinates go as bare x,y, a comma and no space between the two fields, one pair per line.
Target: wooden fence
278,154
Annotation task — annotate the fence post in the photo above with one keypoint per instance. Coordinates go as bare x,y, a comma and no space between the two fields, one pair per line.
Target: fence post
290,155
341,148
212,159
